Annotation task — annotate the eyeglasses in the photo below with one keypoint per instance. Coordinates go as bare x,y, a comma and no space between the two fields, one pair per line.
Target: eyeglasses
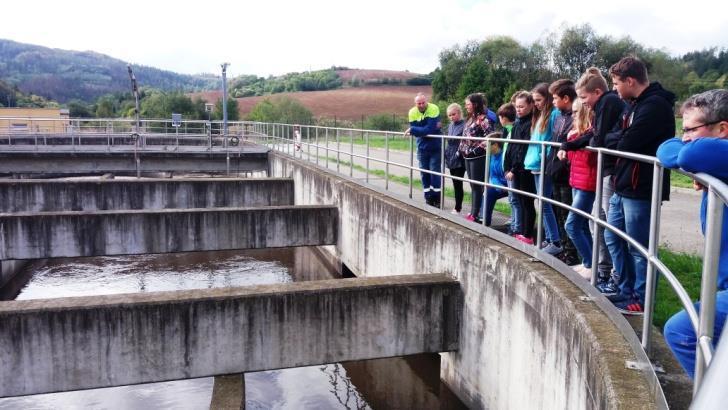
691,129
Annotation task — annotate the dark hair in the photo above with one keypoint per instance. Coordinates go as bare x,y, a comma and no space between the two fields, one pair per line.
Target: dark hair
479,102
543,114
563,88
629,67
507,110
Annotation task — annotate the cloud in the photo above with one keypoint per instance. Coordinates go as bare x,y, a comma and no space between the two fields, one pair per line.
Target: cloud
275,37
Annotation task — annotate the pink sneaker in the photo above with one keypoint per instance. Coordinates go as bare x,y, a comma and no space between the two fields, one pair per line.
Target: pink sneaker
524,239
470,217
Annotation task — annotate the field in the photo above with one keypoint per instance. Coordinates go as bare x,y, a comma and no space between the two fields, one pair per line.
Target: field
345,104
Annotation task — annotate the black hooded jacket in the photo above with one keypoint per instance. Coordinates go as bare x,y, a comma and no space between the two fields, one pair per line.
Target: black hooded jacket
649,121
516,153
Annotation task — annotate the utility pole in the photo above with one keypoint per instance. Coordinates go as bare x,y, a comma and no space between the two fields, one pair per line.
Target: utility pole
224,98
135,91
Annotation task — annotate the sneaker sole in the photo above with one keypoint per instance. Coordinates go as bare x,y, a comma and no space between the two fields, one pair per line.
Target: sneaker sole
630,312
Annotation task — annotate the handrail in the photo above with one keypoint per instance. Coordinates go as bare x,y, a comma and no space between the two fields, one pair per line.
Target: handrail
717,195
280,136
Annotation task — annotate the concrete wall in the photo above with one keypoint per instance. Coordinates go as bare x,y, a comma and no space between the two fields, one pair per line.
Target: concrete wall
87,342
122,162
64,195
71,234
8,270
531,337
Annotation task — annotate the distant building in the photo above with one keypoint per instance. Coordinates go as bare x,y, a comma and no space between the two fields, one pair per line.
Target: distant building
47,120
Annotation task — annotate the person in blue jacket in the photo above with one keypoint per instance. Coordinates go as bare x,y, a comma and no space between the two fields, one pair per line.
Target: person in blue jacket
424,120
703,148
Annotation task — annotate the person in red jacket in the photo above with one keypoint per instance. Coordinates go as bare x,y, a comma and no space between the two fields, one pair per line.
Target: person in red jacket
583,181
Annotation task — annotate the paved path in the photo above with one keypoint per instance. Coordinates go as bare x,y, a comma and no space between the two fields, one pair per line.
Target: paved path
680,223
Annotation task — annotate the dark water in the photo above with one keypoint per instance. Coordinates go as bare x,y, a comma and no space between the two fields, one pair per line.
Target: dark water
411,382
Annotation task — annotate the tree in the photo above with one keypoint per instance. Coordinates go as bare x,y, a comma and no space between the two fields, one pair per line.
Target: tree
281,109
233,114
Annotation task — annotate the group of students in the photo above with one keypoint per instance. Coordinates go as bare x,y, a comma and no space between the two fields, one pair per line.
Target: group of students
636,116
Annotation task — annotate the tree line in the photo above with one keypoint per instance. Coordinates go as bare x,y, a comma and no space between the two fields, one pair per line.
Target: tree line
500,65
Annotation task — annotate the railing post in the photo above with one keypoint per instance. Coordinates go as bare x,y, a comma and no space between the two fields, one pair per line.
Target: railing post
338,152
541,183
351,154
366,137
442,171
412,163
596,214
317,145
486,177
652,274
386,164
708,288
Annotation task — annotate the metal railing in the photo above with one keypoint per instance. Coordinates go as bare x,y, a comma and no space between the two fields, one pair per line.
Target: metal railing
278,137
318,144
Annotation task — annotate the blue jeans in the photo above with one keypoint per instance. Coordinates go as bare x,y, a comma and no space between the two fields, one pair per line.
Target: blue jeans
430,160
577,227
549,219
680,335
633,217
516,212
494,194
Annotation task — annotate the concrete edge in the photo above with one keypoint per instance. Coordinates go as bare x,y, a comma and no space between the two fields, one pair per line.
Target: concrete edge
600,301
196,295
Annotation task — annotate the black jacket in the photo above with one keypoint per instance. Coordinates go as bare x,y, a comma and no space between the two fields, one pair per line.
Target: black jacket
648,122
516,153
606,129
557,169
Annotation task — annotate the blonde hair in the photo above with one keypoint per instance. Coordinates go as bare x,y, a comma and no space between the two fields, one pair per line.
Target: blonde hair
454,107
592,80
582,117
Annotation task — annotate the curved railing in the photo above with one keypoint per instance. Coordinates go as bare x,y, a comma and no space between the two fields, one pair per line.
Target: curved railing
316,144
282,137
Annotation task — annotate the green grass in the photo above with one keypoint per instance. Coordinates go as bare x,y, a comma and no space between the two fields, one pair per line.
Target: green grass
680,180
398,143
687,268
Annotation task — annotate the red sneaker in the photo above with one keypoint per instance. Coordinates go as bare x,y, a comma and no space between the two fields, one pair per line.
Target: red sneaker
523,239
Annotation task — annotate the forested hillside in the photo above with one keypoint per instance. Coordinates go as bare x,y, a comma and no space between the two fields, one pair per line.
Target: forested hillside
63,75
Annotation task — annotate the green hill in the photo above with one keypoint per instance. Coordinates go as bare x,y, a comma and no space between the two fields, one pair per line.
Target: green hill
63,75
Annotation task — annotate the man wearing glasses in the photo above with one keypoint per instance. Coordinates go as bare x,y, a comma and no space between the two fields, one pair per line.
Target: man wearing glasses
703,148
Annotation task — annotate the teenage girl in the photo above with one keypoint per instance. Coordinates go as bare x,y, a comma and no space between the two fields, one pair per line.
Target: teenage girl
583,181
541,130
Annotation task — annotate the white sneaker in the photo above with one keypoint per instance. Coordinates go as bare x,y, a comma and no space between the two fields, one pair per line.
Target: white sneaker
583,271
455,212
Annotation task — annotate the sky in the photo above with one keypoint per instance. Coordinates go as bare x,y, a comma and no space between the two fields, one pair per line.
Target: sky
274,37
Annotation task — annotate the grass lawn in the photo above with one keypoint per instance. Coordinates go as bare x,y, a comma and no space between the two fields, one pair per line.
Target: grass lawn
687,268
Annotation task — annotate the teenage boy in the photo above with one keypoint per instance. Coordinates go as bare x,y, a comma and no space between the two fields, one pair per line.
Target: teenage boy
703,148
563,93
424,120
648,122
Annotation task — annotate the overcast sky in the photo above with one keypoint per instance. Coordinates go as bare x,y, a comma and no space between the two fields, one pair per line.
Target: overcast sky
276,37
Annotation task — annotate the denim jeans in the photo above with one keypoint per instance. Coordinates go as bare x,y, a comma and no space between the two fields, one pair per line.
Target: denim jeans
494,194
430,160
516,212
476,172
633,217
549,219
577,227
458,187
680,335
605,259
